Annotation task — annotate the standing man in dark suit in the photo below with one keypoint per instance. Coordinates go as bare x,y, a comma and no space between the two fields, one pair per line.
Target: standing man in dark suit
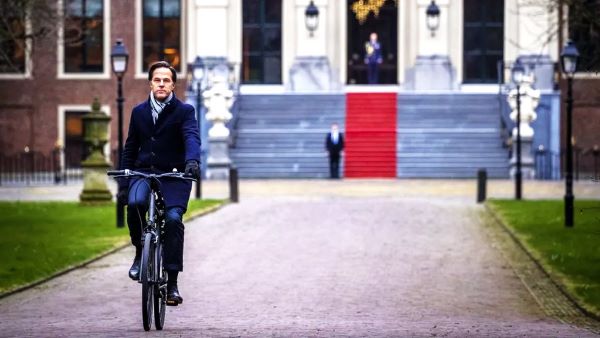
373,58
163,134
334,144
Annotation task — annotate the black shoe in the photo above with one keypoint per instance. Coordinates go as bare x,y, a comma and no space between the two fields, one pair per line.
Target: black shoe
134,271
173,296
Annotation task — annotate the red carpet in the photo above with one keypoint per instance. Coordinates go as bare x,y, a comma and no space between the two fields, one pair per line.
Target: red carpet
370,149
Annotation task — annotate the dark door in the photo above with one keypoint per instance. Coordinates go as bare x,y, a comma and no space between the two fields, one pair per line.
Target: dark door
261,41
362,21
483,40
75,150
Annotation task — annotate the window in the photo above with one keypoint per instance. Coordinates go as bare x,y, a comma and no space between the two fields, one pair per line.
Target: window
161,32
483,43
261,45
584,30
83,36
12,49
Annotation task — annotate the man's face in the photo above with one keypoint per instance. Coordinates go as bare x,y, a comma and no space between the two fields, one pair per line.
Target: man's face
373,36
162,84
334,128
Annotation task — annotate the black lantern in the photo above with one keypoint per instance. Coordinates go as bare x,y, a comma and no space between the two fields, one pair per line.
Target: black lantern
198,69
311,16
517,73
119,58
568,60
433,17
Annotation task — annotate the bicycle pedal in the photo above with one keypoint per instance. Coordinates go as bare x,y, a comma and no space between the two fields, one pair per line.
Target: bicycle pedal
172,303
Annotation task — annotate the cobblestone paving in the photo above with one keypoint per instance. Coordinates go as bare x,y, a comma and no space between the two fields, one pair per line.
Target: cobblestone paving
332,259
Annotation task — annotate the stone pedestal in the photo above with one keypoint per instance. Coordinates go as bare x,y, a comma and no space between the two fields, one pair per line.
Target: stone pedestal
95,189
527,163
431,72
311,74
218,161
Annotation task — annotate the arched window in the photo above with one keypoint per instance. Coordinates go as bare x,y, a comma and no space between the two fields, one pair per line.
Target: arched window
261,42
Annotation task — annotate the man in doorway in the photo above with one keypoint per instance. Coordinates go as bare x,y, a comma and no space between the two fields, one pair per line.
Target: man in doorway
334,143
163,134
373,58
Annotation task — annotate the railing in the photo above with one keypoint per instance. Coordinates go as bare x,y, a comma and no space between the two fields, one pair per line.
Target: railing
546,160
34,168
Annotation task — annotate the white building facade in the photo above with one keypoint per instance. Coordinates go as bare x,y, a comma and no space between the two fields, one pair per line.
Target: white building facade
270,41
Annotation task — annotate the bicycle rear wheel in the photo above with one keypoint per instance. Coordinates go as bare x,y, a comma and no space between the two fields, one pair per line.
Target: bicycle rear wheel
160,290
147,276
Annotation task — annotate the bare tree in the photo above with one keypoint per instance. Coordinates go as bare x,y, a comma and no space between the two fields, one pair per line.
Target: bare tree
24,22
580,19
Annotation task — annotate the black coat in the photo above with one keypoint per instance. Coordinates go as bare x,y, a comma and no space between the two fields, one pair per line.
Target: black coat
333,148
160,147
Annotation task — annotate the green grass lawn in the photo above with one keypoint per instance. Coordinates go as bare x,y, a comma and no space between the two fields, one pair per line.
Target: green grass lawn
570,255
39,239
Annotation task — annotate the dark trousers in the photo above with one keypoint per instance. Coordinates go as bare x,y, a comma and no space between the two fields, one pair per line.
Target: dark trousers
373,72
334,165
139,198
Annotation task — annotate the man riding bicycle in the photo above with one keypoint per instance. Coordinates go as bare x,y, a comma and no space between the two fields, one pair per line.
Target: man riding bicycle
163,134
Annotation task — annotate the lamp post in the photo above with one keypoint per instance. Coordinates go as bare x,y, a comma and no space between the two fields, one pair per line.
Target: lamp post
568,60
198,76
119,57
433,17
311,17
518,71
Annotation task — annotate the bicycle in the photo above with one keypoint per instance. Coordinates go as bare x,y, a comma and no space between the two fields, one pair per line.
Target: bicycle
152,273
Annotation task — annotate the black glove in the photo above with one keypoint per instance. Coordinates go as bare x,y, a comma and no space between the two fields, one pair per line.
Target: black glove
192,168
123,192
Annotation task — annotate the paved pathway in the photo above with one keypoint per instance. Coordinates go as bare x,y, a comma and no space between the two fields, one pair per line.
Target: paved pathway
327,259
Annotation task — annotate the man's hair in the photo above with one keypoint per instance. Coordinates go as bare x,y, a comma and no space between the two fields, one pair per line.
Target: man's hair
162,64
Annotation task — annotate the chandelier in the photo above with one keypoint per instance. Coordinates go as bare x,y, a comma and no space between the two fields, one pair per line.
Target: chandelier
362,8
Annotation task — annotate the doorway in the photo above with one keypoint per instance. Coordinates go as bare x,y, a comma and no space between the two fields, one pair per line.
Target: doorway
364,19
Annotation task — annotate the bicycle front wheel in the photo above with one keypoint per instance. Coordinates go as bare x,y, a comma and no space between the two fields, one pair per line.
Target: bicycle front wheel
147,277
160,290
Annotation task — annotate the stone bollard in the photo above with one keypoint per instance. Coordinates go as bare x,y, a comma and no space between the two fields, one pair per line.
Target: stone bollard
95,189
481,185
233,185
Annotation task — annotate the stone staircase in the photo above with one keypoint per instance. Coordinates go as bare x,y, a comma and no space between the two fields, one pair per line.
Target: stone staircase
283,136
438,136
449,136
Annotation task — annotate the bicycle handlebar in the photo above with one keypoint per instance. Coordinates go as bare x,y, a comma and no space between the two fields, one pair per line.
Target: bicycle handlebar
129,173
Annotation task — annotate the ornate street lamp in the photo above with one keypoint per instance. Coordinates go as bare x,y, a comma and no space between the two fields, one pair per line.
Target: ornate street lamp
198,69
433,17
119,58
311,17
568,60
518,72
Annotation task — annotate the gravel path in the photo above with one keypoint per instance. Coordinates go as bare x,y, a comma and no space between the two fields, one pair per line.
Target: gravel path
297,265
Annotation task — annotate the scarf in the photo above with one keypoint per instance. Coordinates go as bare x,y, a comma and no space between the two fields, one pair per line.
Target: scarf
157,106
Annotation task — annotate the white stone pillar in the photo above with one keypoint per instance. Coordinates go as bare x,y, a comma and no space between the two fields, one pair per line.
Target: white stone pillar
218,100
